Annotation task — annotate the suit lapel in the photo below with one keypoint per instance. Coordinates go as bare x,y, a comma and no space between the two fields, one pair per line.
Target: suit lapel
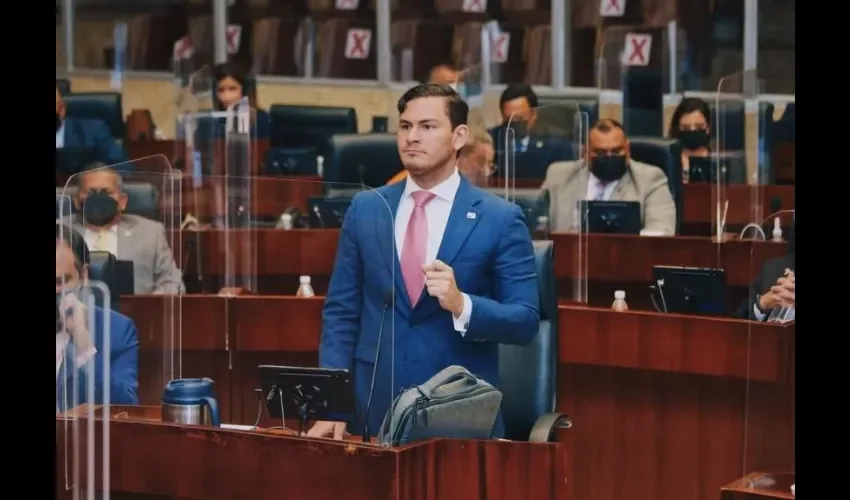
385,229
463,218
622,189
123,239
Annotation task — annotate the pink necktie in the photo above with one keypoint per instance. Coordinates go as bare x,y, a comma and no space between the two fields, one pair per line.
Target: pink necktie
416,246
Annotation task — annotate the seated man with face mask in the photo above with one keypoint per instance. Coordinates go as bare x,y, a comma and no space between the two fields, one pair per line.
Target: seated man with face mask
101,219
80,346
608,173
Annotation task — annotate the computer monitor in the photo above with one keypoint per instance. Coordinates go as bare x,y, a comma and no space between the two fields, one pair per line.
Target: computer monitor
307,393
327,213
70,161
704,169
690,290
612,217
291,161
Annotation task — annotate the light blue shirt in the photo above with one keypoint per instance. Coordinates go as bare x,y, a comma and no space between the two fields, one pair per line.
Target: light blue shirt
60,136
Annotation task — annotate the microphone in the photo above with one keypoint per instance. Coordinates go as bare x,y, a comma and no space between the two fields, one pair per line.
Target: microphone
361,169
774,203
318,212
389,294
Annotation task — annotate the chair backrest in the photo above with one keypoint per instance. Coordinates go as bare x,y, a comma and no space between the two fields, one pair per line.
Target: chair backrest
370,159
105,106
309,126
142,199
528,373
664,154
64,86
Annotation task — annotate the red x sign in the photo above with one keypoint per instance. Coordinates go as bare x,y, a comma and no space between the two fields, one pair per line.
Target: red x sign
357,43
233,37
501,46
183,49
347,4
636,52
612,8
474,6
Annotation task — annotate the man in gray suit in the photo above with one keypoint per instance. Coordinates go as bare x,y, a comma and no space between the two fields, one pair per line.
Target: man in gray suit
101,203
609,174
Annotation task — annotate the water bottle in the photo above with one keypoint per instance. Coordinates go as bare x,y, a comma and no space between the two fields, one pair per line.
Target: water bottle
320,166
304,289
619,304
285,222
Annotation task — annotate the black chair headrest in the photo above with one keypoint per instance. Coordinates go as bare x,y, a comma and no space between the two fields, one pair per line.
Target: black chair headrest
105,106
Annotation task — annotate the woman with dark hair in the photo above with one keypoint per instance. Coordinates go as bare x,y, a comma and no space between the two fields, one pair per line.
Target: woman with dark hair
231,85
691,127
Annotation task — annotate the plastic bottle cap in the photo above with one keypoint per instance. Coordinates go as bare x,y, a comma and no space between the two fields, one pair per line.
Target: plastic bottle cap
304,280
620,295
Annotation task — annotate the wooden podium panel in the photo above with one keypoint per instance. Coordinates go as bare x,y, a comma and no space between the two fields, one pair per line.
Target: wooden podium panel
161,460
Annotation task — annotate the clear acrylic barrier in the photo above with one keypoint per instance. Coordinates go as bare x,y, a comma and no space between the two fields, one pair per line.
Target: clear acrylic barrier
305,241
85,330
644,56
527,145
124,212
217,142
766,229
575,212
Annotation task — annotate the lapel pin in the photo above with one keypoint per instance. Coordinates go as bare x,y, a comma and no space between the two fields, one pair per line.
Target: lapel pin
470,215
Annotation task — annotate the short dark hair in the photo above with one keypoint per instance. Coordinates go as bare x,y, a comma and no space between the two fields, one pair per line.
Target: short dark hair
606,125
517,91
687,106
230,70
75,242
456,107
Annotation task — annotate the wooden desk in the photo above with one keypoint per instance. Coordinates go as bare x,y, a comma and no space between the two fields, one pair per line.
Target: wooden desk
672,406
760,486
612,262
175,152
700,199
154,459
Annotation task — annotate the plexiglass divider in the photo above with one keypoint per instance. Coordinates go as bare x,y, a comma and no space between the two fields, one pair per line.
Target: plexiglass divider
577,215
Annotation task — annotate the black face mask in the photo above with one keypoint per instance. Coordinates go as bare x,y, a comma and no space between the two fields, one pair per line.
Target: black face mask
99,208
694,139
58,122
608,168
519,128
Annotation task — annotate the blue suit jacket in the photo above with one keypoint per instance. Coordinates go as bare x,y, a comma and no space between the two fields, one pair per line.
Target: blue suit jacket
552,148
81,133
486,243
122,356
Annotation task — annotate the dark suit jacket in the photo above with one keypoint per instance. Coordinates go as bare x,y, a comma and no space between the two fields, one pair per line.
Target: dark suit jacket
260,128
489,248
770,273
93,135
122,355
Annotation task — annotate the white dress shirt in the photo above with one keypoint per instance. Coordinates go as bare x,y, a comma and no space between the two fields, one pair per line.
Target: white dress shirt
593,184
437,212
60,136
105,240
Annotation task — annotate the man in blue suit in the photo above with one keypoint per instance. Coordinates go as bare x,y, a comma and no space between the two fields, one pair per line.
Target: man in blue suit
532,142
459,262
81,350
90,138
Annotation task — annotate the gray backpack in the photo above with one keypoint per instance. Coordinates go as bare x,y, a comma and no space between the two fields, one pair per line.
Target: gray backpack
452,404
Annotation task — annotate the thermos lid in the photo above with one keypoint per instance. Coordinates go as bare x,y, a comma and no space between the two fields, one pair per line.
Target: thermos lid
187,391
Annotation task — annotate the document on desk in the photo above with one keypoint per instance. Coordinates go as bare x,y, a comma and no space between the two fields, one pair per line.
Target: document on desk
237,427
